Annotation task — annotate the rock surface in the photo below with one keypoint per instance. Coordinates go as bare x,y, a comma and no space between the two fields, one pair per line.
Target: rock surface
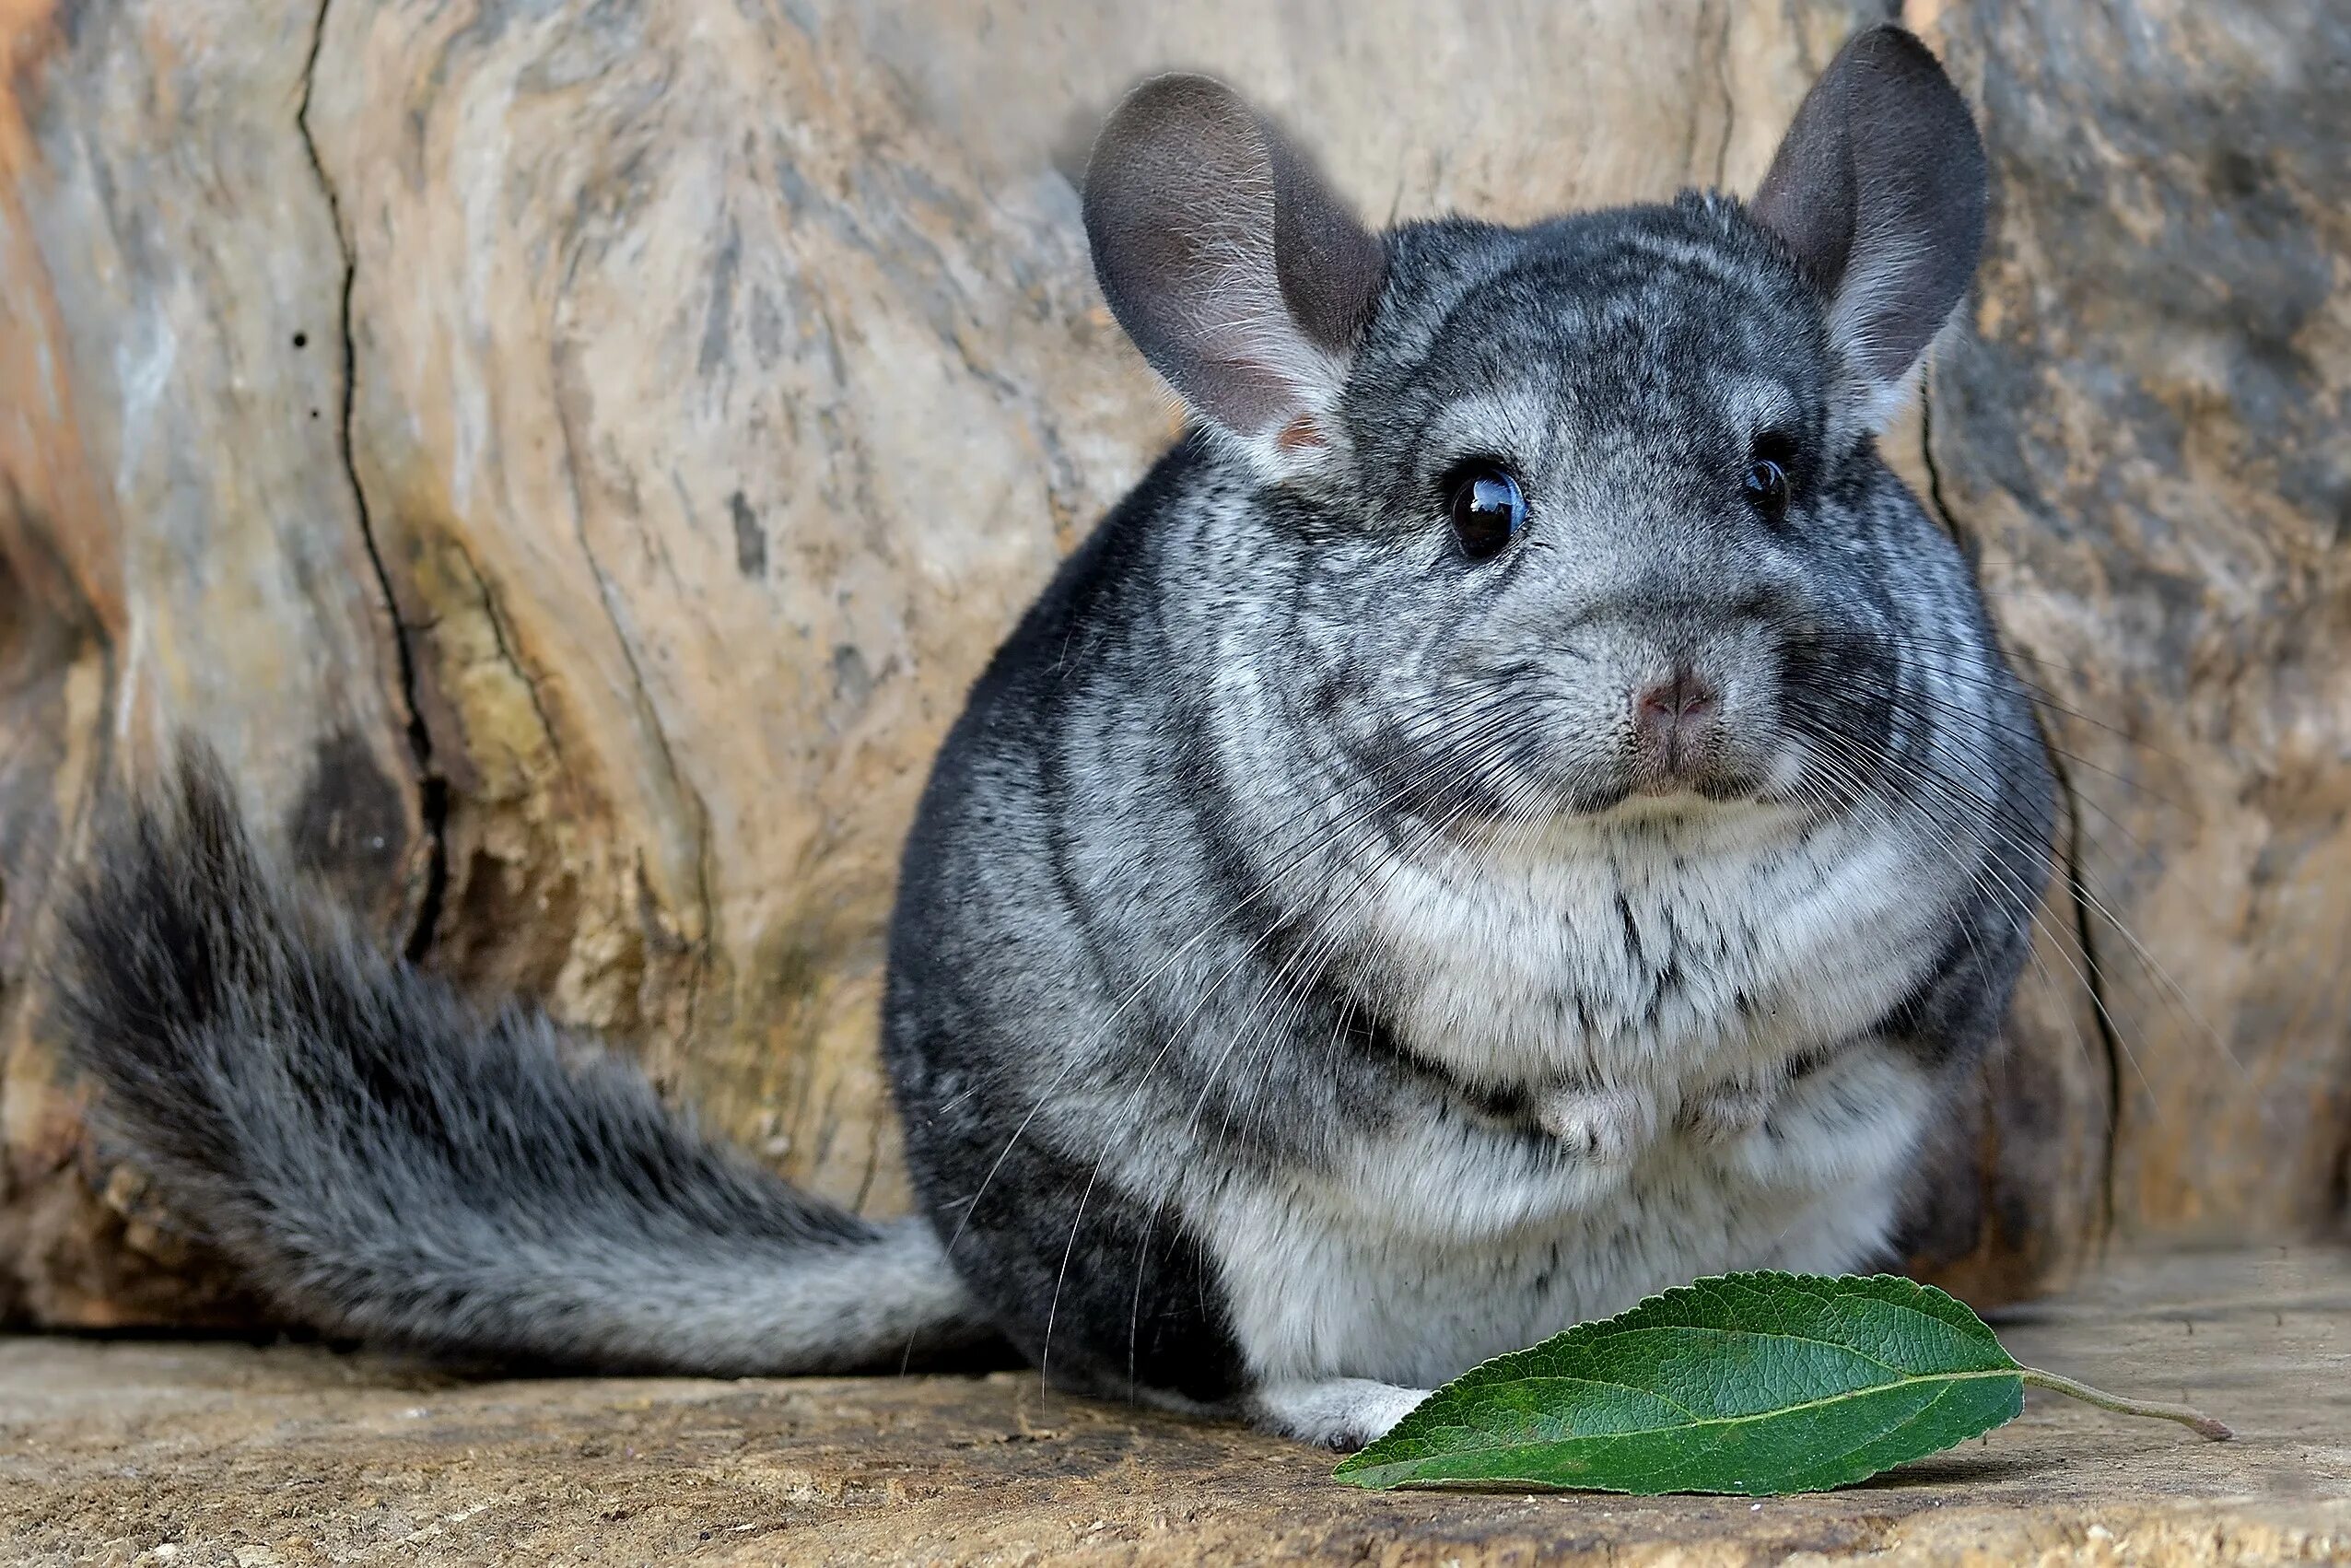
2144,437
574,455
207,1455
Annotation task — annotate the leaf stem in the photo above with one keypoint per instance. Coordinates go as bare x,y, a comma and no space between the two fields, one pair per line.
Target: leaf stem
2202,1425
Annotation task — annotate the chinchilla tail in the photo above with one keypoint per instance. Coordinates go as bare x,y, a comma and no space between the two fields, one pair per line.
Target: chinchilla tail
389,1163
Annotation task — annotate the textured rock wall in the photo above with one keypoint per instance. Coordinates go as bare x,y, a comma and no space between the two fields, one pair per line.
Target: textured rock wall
574,454
2145,435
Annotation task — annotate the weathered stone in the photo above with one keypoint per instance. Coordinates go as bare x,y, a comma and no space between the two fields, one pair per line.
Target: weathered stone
182,543
2144,437
110,1453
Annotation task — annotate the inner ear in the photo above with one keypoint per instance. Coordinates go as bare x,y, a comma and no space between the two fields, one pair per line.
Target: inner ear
1879,190
1231,264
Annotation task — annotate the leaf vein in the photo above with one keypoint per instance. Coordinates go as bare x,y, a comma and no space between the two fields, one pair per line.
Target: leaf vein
1777,1411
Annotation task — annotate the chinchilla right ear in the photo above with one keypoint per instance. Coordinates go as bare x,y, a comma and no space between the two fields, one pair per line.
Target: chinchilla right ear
1879,190
1239,275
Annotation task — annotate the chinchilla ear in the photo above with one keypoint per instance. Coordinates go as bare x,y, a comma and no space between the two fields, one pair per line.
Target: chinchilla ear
1879,190
1241,278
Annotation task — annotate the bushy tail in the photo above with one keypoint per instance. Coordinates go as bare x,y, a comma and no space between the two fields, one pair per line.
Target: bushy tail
390,1163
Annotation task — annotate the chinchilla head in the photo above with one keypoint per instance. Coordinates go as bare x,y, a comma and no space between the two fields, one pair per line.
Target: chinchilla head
1591,508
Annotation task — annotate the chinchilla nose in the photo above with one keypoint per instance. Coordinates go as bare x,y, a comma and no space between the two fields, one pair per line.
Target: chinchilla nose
1674,721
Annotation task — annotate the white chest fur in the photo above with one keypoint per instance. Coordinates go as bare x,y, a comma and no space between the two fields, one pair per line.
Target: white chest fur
1655,952
1654,967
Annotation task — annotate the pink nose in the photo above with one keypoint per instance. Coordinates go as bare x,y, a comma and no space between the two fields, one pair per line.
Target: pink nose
1672,714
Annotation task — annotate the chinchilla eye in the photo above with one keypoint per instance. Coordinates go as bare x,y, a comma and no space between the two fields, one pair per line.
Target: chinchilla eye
1767,473
1488,508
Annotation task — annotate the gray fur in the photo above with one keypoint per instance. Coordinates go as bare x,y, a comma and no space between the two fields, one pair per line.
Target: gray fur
1301,974
392,1163
1309,976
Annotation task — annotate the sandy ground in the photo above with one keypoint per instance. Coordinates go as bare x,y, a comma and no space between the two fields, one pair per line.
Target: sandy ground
219,1453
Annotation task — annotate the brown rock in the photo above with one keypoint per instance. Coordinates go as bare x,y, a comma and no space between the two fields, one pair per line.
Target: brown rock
2144,437
224,1453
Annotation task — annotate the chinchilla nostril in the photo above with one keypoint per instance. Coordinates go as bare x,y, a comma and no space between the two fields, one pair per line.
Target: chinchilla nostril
1674,725
1684,697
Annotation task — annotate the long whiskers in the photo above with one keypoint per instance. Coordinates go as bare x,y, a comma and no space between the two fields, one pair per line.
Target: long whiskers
1970,803
1442,733
1462,766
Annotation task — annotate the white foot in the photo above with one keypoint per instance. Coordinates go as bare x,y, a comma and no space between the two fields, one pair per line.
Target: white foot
1728,1111
1608,1127
1344,1413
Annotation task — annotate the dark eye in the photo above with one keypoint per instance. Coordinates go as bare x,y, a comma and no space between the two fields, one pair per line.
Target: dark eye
1767,476
1488,508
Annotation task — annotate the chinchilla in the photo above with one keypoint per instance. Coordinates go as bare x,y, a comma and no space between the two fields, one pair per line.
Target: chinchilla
1518,809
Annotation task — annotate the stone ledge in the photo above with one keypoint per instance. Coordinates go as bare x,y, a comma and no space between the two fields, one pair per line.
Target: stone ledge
136,1451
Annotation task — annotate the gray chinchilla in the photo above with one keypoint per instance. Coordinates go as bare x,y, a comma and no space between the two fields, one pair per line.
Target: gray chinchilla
1518,809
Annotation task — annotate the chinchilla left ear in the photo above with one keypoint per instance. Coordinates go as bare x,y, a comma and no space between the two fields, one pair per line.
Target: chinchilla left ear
1879,190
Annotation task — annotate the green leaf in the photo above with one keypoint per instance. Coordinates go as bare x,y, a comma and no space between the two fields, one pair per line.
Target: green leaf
1752,1384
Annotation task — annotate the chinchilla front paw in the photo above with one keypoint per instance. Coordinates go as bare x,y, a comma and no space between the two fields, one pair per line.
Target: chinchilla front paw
1728,1111
1608,1127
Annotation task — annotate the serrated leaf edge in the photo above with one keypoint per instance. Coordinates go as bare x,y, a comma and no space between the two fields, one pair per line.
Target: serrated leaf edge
1349,1469
1464,1483
1821,1286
